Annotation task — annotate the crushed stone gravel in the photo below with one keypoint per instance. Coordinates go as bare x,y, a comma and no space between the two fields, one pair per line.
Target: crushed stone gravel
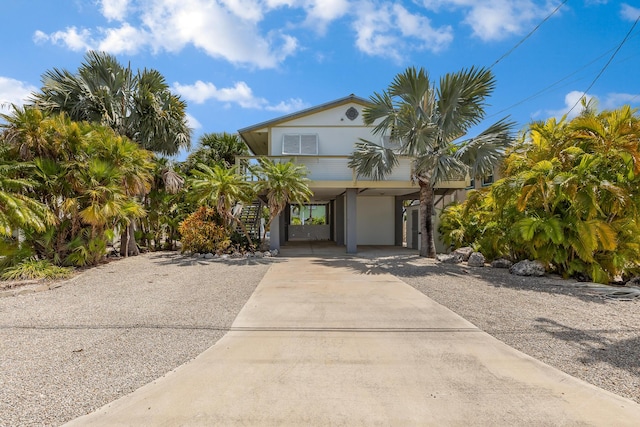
70,350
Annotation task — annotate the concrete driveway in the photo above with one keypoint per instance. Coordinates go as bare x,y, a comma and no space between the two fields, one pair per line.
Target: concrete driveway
321,342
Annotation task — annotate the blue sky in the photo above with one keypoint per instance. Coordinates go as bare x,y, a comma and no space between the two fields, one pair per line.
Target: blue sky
240,62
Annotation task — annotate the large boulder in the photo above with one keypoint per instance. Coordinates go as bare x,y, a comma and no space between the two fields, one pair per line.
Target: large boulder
476,259
501,263
527,268
465,252
452,258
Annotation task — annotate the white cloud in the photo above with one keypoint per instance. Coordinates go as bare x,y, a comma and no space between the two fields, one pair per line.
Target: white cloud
609,102
114,9
125,39
240,94
228,30
247,10
390,30
320,13
571,99
192,122
290,106
628,12
220,32
14,91
497,19
72,38
617,100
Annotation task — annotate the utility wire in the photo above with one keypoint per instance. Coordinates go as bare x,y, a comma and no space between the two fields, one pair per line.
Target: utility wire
607,64
528,35
552,85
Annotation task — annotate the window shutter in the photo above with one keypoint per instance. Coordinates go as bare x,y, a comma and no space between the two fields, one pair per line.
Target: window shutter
309,144
305,144
291,144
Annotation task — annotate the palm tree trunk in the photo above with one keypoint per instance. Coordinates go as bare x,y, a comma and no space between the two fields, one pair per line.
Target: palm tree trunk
128,246
427,243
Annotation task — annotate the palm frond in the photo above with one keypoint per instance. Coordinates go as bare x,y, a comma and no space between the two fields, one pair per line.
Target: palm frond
372,160
483,152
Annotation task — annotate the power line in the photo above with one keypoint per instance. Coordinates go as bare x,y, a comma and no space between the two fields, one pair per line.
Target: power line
552,85
607,64
528,35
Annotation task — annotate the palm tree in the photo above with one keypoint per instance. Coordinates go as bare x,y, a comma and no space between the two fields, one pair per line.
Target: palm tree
221,188
216,148
426,123
19,210
283,183
138,106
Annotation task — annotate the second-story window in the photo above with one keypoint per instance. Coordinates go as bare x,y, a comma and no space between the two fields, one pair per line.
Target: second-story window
300,143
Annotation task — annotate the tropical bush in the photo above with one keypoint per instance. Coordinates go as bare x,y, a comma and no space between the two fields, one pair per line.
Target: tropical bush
32,268
80,182
203,231
570,197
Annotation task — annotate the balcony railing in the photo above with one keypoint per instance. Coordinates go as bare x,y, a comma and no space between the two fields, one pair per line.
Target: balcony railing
325,168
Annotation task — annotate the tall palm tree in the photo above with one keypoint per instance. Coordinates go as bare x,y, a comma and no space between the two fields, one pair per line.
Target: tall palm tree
426,123
221,188
139,106
283,183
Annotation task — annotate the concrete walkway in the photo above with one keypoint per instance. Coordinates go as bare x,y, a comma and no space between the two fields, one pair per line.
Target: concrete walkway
322,342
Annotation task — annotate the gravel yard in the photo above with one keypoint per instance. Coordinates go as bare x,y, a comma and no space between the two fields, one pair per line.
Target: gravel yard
101,335
70,350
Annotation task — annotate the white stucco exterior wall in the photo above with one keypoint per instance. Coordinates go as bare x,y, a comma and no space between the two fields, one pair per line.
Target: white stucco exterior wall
375,220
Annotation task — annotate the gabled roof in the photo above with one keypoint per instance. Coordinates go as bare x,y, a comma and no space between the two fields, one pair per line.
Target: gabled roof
255,136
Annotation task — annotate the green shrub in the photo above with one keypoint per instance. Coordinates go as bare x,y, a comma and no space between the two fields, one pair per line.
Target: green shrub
569,197
35,269
203,232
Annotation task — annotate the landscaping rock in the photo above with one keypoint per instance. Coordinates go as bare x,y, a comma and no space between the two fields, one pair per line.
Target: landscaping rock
527,268
476,259
465,252
634,282
452,258
501,263
267,254
208,255
274,252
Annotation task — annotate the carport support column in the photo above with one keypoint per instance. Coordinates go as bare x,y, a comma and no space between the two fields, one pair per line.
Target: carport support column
352,224
398,221
274,233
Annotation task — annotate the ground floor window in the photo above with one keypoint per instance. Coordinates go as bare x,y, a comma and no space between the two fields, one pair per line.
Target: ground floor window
310,214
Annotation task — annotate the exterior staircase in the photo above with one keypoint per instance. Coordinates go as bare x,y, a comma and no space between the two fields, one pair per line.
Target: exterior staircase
250,216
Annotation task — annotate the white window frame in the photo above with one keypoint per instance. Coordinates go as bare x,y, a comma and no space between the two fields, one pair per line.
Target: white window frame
300,140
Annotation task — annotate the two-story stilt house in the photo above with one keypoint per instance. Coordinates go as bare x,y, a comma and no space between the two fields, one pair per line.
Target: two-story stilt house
345,208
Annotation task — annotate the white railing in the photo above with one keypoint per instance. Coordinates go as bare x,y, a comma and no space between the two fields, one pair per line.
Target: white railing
325,168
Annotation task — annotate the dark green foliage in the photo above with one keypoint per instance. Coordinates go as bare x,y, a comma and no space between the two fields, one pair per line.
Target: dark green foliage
570,197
